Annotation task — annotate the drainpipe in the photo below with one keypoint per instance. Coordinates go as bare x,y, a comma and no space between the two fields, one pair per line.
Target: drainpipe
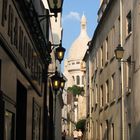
122,76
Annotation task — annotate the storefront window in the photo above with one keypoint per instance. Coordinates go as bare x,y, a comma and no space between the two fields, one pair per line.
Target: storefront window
9,125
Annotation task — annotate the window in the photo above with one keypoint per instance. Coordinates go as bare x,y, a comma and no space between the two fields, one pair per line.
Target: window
129,131
96,60
106,49
20,40
29,55
25,50
77,62
9,125
128,23
73,63
78,79
107,91
101,96
119,79
113,37
112,85
89,126
118,27
107,130
9,20
74,79
128,73
32,60
4,11
10,23
101,132
96,95
39,74
16,33
112,131
96,129
101,56
35,68
82,79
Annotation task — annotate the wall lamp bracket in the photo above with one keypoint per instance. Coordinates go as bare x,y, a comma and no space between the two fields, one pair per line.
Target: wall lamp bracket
53,46
47,16
59,51
126,61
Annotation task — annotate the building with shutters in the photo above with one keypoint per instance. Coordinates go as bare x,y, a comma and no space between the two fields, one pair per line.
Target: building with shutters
113,86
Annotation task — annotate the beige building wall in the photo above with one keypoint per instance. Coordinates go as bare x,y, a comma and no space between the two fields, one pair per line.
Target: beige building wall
136,71
106,74
21,65
55,37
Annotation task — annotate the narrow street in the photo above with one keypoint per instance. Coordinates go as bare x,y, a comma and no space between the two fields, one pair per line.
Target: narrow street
69,70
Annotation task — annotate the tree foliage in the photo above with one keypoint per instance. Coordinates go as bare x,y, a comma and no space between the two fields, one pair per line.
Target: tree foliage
81,125
75,90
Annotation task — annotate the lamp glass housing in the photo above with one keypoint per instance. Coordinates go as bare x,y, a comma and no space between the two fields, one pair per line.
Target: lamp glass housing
60,51
56,81
55,6
62,83
119,51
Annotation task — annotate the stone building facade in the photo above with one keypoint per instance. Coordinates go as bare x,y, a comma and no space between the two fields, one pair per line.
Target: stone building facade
55,108
113,86
21,85
26,101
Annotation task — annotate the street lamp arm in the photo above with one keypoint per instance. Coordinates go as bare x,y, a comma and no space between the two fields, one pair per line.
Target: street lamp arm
47,16
127,61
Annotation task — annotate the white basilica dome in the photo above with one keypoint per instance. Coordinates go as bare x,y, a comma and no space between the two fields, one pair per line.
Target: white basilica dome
73,63
79,47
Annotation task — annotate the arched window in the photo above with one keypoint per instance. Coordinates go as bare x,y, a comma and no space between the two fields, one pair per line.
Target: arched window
82,79
78,79
73,79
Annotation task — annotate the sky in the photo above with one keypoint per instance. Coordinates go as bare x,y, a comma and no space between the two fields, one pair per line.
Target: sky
71,16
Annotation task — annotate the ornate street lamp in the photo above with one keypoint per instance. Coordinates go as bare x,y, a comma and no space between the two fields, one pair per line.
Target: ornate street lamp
62,83
60,51
56,81
119,51
55,6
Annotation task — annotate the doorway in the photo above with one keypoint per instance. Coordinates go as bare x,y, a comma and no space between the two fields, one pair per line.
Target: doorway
21,112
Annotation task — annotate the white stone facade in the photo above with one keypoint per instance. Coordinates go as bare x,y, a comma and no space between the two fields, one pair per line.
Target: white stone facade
73,73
